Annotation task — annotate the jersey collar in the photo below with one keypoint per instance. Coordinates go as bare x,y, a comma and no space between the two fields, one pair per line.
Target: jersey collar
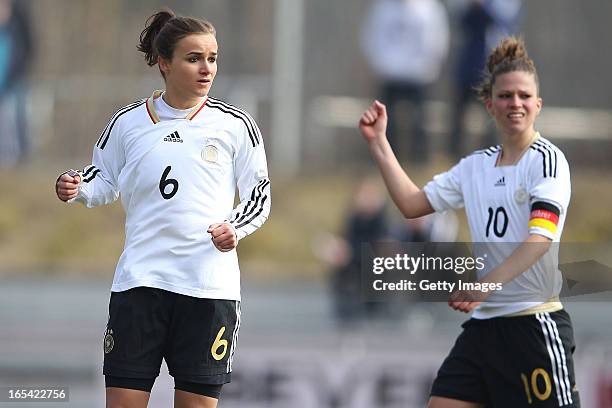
153,114
535,137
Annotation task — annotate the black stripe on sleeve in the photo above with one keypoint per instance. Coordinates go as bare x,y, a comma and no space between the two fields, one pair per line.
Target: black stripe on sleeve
490,151
553,152
113,117
255,215
246,207
253,126
237,117
543,159
542,205
251,200
255,200
111,123
238,114
552,164
89,168
93,176
235,216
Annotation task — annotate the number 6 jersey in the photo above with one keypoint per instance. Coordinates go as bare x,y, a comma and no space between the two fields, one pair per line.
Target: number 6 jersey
177,172
504,205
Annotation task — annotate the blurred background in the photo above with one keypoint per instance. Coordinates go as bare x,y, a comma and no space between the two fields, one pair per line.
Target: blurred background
305,70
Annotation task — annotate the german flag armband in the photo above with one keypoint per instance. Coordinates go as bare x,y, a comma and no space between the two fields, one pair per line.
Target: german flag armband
544,216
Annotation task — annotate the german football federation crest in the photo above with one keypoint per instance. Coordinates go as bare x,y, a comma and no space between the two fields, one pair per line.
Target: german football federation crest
109,341
210,154
521,195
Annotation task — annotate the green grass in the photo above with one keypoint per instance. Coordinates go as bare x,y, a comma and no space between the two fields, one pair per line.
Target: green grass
39,233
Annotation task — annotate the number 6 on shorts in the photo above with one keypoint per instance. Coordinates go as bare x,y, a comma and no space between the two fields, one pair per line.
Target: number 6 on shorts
219,343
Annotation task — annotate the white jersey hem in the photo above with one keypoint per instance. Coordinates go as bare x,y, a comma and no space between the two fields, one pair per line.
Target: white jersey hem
198,293
501,309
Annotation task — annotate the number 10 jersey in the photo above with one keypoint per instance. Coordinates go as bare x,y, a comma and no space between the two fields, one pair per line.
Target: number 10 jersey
504,205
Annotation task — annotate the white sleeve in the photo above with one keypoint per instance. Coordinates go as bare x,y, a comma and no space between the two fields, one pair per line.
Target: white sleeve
99,181
549,191
252,180
444,191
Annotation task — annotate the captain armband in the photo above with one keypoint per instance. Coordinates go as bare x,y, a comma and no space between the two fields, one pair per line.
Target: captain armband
544,215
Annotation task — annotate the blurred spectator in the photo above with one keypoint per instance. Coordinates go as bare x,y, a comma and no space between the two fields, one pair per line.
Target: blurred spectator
475,20
366,224
406,42
15,60
413,230
483,23
507,18
436,227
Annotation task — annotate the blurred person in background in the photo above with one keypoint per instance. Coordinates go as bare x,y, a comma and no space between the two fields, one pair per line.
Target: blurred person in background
474,21
366,223
421,235
413,230
517,349
430,228
506,17
16,56
176,158
406,43
483,23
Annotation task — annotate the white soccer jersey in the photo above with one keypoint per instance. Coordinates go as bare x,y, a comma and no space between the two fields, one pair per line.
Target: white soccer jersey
505,204
176,177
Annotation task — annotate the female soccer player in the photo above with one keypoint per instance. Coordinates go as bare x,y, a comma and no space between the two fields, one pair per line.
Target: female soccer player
176,158
516,350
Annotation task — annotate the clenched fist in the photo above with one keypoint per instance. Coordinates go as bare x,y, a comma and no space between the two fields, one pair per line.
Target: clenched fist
373,122
223,236
67,185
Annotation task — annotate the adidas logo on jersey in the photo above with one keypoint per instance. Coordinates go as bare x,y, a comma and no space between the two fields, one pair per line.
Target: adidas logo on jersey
501,182
173,137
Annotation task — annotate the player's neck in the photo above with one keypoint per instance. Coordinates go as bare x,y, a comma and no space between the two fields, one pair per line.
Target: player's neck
514,146
176,101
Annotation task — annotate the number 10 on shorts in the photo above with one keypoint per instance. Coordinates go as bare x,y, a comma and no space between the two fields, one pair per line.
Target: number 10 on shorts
533,386
219,347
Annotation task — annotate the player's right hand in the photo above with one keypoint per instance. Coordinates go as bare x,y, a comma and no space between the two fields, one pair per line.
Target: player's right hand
67,186
373,122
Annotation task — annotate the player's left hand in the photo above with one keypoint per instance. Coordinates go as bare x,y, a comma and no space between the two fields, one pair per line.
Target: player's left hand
467,300
223,236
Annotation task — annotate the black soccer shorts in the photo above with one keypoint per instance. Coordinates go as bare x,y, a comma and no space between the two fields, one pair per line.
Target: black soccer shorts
197,337
523,361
